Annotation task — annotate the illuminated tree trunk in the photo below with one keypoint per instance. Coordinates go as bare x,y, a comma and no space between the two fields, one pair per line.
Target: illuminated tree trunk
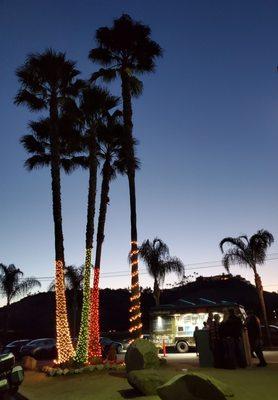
63,340
260,291
82,345
135,328
94,345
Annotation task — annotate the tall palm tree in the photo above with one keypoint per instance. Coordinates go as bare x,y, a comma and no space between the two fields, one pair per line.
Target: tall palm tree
13,285
156,256
95,102
126,50
47,82
73,283
249,252
109,140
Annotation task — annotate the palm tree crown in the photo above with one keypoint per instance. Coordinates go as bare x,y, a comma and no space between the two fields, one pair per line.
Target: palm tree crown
244,251
12,283
37,143
156,256
44,76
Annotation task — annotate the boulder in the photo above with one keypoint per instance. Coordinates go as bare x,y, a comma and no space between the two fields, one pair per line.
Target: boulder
29,363
146,381
194,386
141,354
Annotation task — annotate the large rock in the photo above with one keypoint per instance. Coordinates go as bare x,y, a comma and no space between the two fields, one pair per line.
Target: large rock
194,386
141,354
146,381
29,363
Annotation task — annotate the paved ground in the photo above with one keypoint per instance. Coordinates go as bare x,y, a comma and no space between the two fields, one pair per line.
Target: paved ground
190,359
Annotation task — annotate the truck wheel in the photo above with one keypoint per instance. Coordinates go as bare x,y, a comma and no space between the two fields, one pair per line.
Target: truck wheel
182,347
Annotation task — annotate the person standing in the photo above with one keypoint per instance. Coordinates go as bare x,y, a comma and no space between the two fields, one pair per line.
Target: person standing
255,337
232,332
195,335
215,341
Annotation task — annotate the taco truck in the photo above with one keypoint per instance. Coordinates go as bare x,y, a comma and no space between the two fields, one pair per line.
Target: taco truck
173,324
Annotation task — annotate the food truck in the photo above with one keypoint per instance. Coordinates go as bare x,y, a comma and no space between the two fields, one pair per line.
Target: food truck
173,324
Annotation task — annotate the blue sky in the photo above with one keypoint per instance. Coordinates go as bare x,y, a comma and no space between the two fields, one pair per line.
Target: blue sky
207,124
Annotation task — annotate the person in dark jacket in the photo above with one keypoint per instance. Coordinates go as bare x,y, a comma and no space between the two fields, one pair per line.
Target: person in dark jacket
231,331
255,337
215,341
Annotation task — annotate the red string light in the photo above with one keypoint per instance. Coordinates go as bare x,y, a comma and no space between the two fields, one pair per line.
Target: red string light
94,349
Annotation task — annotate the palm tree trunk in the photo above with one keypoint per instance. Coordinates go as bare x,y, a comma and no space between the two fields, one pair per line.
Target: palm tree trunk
82,345
259,286
156,292
7,322
94,345
64,345
135,307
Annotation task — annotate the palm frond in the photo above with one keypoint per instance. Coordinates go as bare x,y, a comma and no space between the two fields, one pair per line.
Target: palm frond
238,242
136,86
25,286
234,256
37,161
33,102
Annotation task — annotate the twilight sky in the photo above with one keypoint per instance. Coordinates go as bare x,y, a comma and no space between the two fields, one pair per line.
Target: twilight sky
207,124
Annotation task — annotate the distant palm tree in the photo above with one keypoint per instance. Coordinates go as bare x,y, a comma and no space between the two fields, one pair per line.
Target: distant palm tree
74,283
95,103
109,141
250,253
156,256
126,50
47,83
13,285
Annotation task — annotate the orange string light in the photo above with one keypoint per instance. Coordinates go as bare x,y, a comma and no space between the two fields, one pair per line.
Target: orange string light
135,314
63,340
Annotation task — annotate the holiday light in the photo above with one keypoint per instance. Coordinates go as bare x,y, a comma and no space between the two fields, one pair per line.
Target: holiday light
63,340
82,344
94,349
134,310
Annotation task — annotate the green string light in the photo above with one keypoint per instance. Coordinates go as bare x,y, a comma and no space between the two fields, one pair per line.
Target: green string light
82,344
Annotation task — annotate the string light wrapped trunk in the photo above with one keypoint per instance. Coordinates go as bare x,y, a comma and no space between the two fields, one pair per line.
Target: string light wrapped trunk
94,349
94,344
63,340
83,337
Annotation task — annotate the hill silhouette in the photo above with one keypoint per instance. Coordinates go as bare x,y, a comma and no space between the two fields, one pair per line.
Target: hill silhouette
34,315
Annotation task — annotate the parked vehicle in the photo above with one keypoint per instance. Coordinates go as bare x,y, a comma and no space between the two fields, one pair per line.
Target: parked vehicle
40,349
11,377
174,324
273,333
106,343
14,347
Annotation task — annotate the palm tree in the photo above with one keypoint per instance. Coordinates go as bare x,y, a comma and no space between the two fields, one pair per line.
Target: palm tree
109,140
156,256
126,50
73,283
249,252
13,285
95,102
47,82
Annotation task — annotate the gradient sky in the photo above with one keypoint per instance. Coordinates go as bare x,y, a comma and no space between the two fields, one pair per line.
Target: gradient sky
207,124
